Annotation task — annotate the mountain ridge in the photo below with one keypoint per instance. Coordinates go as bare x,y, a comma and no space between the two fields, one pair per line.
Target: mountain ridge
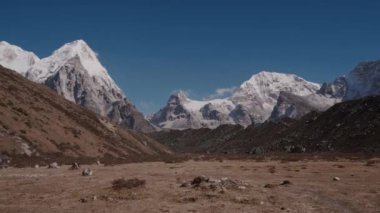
252,102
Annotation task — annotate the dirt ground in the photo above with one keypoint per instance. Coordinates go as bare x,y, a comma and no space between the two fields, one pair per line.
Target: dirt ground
311,188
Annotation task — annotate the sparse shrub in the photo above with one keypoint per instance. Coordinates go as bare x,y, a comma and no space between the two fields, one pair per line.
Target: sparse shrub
21,110
28,123
127,184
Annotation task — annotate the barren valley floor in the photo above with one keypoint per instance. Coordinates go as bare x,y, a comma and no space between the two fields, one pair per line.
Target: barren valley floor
311,188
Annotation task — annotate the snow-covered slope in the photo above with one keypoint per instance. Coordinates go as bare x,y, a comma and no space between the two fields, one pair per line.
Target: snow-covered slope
75,72
253,102
15,58
260,93
295,106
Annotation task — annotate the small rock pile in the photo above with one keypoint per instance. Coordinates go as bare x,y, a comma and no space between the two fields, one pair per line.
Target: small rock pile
53,166
222,185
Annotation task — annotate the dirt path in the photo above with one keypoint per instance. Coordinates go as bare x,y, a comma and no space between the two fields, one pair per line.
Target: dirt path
312,188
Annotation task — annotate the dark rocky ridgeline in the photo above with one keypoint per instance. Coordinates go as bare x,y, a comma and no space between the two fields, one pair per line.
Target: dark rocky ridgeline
352,126
37,124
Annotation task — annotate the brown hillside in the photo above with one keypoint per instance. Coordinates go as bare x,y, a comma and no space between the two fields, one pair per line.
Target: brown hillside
38,123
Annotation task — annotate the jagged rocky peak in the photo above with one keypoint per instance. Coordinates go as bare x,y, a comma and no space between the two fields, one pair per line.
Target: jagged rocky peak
364,80
75,72
336,89
15,58
178,97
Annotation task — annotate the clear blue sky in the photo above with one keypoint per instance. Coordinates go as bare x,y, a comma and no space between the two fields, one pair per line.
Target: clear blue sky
152,48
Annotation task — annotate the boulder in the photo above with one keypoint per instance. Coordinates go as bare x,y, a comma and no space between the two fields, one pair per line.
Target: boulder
87,172
53,165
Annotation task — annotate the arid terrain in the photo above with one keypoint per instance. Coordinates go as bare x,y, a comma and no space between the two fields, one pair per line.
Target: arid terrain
254,186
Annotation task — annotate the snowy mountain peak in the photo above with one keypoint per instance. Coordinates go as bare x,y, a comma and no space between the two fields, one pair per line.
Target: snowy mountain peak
86,55
180,95
15,58
275,81
78,50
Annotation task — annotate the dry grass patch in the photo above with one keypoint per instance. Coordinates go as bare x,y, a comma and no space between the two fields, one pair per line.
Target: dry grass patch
127,184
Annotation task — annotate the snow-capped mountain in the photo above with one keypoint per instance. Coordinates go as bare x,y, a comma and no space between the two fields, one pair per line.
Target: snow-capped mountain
181,112
363,81
260,93
15,58
252,102
75,72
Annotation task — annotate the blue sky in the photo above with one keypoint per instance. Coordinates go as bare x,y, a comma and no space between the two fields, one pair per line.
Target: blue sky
152,48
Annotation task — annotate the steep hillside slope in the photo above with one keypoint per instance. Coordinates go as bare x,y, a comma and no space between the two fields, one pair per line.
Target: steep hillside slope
36,122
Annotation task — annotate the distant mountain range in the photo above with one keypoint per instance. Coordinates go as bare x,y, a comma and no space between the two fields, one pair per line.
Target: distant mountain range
268,96
350,126
75,72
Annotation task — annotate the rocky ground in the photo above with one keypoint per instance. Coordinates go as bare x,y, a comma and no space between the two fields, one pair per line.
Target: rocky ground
306,185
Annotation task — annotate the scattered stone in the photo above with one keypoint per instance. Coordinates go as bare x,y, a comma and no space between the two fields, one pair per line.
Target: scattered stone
94,197
87,172
261,202
53,165
336,179
198,180
4,160
285,182
36,166
190,199
221,185
184,184
75,166
83,200
98,163
241,200
242,187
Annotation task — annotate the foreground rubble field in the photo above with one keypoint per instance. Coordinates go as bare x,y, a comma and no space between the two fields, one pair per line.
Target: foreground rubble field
196,186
